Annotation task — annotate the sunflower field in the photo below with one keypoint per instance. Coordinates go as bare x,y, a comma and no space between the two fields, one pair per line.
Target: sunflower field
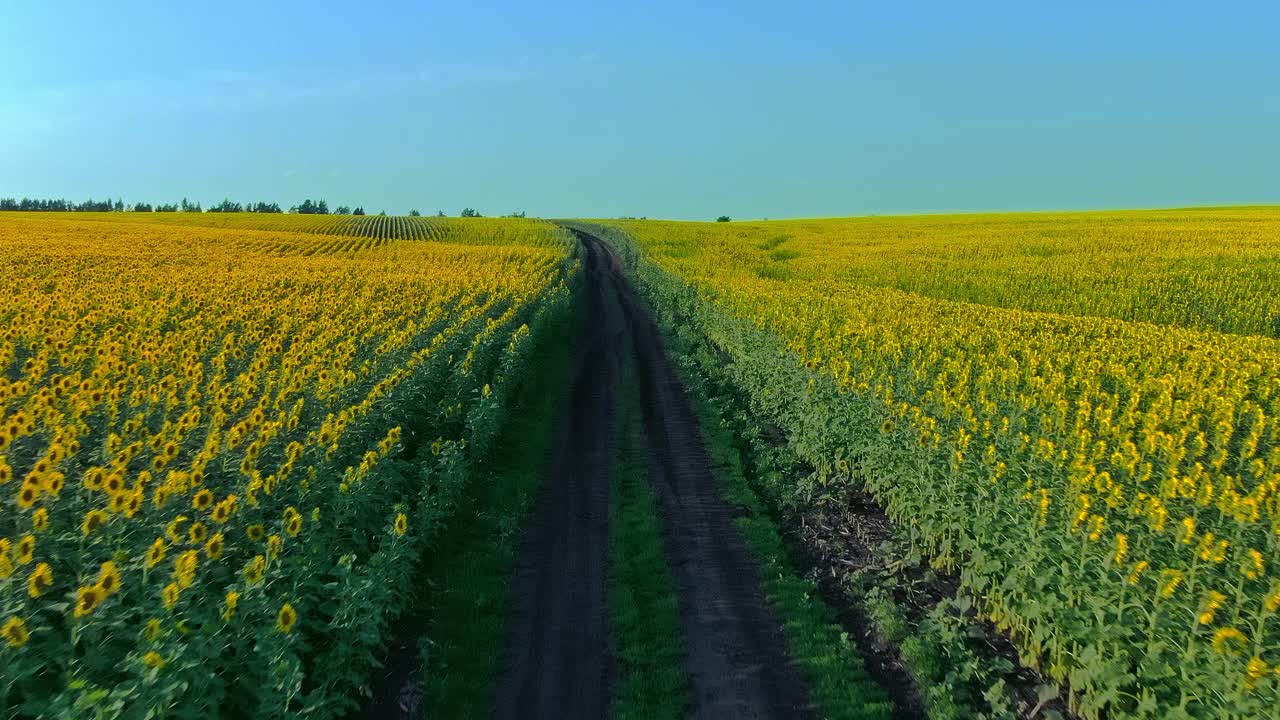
1078,415
222,450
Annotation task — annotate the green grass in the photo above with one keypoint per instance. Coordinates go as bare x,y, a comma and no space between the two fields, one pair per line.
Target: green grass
651,681
469,570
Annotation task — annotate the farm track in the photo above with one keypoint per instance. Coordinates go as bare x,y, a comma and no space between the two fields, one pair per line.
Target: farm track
558,662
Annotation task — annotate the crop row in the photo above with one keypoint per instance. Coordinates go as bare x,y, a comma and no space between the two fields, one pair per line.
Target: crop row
1106,489
219,464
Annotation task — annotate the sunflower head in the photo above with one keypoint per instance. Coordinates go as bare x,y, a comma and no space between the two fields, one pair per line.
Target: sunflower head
170,595
255,532
132,504
156,553
214,547
1229,641
40,580
15,632
28,495
198,533
286,618
184,568
229,607
153,629
255,569
292,521
26,549
153,659
174,529
88,598
401,524
202,500
40,519
109,577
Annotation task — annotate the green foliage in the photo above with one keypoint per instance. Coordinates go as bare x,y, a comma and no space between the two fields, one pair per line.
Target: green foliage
649,640
833,667
886,390
464,586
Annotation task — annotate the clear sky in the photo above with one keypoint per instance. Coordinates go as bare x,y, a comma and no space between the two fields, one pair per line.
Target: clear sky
662,108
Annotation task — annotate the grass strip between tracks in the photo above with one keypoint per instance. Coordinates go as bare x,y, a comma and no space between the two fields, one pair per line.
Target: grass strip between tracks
647,638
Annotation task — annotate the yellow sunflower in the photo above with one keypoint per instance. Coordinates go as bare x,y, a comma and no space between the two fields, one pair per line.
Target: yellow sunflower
92,521
286,619
202,500
88,598
26,549
156,553
40,580
214,547
229,609
170,595
15,632
109,578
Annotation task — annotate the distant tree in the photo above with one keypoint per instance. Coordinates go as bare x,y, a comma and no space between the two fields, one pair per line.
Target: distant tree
414,213
515,214
265,208
382,213
119,205
166,208
440,213
723,218
92,205
358,211
470,213
342,210
142,207
8,204
311,208
226,206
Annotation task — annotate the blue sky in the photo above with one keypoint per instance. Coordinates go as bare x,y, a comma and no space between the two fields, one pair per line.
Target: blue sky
662,109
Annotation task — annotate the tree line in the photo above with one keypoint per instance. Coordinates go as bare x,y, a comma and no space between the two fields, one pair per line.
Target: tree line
306,207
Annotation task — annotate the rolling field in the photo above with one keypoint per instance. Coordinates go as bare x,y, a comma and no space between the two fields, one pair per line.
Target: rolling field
1077,415
223,448
260,466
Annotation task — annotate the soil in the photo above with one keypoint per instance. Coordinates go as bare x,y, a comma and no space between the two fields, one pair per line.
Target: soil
847,537
558,662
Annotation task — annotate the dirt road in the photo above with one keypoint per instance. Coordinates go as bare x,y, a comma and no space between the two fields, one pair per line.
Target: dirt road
558,660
